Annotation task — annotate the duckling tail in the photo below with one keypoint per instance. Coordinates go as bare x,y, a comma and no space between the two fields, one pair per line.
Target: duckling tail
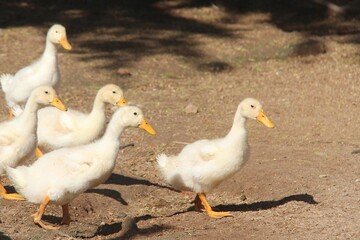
162,160
5,80
15,176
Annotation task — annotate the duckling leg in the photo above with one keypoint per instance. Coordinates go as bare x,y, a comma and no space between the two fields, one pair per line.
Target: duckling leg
38,152
38,215
197,204
10,196
209,210
66,215
11,114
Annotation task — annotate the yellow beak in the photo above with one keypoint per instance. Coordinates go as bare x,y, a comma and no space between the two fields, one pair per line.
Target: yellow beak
264,120
58,104
121,102
64,43
146,126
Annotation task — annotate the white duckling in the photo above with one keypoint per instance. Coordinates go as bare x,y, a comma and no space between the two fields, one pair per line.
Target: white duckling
58,129
44,71
61,175
18,136
203,165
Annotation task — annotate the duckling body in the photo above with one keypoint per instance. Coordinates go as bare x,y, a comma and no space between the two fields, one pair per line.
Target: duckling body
18,136
44,71
201,166
61,175
72,128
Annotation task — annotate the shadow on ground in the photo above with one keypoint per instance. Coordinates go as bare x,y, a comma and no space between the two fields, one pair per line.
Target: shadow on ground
149,27
127,181
264,205
3,236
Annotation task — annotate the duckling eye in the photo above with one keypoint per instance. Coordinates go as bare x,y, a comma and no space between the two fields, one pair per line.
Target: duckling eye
46,92
252,106
135,113
56,31
114,92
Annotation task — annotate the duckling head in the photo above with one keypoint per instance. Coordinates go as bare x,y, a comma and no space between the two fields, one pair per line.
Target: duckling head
112,94
132,116
252,108
57,35
46,95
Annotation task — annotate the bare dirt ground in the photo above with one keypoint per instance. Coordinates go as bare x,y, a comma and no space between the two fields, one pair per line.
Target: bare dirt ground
303,178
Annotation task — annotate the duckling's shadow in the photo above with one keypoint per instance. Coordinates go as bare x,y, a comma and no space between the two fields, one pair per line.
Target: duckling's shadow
127,181
109,193
127,228
265,205
4,237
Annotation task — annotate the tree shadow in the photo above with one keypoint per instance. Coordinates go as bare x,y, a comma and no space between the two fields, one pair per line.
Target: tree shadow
109,193
123,32
137,28
265,205
127,181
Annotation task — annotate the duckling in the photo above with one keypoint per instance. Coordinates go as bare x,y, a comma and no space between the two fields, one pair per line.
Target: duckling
44,71
61,175
66,129
201,166
18,136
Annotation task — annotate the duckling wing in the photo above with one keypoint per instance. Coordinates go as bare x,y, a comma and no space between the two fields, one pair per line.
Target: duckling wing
208,150
6,140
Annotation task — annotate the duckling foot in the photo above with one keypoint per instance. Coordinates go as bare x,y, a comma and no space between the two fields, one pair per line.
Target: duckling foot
209,210
13,196
38,215
10,196
38,153
45,226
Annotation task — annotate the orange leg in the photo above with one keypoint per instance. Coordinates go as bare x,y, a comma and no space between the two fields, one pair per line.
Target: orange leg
38,215
66,215
10,196
11,114
38,152
209,210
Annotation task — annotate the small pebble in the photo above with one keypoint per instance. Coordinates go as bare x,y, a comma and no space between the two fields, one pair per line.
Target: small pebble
123,72
191,109
323,176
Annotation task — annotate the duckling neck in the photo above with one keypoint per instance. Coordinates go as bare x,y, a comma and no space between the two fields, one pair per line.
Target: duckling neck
237,132
50,50
113,131
98,111
28,117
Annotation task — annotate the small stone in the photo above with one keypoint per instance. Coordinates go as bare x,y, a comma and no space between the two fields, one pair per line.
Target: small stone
121,214
357,180
323,176
191,109
242,197
123,72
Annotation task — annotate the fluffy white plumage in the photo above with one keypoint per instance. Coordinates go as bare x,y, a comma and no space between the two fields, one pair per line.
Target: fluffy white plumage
65,173
58,129
203,165
44,71
18,136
